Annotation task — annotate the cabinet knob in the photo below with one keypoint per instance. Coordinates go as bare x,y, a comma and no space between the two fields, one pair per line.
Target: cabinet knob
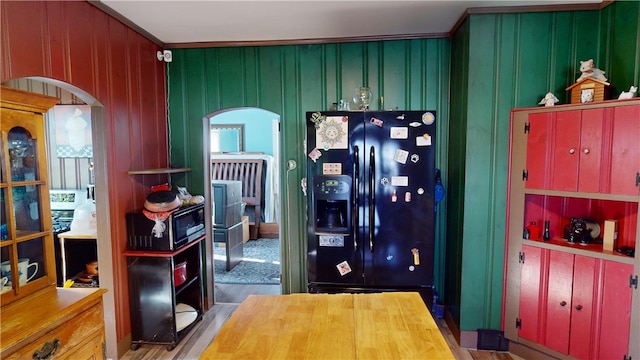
579,307
572,150
563,303
586,151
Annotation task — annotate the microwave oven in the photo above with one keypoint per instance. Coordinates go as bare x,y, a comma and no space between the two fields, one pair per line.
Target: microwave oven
180,228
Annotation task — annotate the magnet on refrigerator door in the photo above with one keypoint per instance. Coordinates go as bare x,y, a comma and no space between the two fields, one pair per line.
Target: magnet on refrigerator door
424,140
401,156
315,154
332,133
332,169
416,256
343,268
400,181
415,124
428,118
415,158
317,118
376,122
399,132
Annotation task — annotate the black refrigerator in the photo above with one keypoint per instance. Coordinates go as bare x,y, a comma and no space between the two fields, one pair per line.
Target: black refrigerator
370,208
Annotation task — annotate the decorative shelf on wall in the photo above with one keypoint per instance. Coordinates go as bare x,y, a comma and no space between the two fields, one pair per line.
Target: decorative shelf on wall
158,171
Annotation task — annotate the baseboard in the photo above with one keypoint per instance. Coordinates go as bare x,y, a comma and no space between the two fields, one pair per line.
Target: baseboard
267,230
124,345
453,327
469,339
527,352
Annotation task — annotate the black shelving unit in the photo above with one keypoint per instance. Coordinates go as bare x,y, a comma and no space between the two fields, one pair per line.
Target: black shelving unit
154,296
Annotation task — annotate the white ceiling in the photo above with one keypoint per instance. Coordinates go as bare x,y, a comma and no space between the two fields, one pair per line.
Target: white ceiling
176,21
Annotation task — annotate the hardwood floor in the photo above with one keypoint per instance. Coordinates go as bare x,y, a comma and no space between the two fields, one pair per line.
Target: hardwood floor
228,297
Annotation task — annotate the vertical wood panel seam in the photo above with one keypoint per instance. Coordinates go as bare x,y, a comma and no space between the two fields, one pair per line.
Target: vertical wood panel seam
66,46
491,211
380,47
574,48
323,73
516,58
365,64
245,76
423,91
45,27
407,75
552,52
283,77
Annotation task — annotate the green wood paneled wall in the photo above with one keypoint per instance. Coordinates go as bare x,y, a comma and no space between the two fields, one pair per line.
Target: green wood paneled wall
493,63
499,62
290,80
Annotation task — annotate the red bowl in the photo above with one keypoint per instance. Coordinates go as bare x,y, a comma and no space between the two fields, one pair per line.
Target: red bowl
180,273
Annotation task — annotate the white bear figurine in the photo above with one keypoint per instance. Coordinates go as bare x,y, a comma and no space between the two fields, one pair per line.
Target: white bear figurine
588,69
628,94
549,100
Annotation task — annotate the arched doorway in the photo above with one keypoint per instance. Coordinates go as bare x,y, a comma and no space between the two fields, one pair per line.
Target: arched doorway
247,133
69,92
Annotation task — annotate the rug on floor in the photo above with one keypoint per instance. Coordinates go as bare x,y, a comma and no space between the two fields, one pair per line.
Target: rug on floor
260,264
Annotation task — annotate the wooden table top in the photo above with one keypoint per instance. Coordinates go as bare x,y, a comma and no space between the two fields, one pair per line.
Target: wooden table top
394,325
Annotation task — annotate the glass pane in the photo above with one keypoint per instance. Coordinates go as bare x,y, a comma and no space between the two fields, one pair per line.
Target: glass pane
31,260
4,229
5,270
22,154
26,207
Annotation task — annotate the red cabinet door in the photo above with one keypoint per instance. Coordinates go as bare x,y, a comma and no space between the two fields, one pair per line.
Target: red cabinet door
558,316
615,311
530,294
566,150
625,150
582,312
538,149
590,151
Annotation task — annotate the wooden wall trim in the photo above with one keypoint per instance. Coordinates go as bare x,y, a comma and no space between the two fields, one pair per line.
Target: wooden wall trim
333,40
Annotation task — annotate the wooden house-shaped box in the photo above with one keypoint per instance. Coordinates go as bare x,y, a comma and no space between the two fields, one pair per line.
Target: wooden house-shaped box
588,90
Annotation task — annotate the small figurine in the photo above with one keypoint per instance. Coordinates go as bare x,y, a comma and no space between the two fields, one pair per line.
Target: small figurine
588,69
628,94
549,99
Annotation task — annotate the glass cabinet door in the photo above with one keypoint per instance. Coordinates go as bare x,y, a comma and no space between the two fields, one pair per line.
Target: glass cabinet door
26,242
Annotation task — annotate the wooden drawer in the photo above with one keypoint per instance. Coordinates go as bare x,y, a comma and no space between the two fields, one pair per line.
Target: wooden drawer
91,350
77,337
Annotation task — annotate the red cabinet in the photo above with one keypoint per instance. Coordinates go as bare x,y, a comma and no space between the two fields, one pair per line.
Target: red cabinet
571,299
588,150
614,325
575,305
625,150
530,294
570,304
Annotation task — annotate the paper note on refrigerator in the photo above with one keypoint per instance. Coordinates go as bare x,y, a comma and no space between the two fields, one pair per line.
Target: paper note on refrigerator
399,181
424,140
333,133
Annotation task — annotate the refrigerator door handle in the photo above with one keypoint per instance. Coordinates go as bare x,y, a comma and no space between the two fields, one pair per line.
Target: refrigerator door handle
372,197
355,218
